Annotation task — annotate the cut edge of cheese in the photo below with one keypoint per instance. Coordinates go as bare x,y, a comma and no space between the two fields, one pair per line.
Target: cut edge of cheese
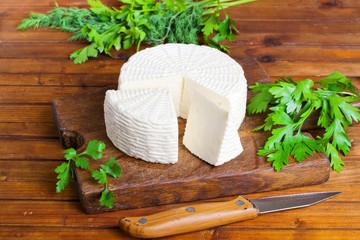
213,142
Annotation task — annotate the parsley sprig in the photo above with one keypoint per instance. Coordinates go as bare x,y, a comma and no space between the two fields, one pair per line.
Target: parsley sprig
137,21
289,105
94,151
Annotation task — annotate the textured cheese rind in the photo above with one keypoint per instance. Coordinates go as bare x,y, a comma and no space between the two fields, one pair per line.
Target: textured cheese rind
142,124
184,69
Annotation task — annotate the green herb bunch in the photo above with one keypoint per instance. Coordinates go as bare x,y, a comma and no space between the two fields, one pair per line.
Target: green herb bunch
94,151
290,104
136,21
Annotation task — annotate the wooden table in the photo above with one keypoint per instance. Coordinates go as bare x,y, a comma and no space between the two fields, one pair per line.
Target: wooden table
299,38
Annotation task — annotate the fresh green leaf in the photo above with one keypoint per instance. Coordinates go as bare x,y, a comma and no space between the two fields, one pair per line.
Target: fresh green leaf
280,117
112,168
107,198
63,176
304,146
259,103
95,148
335,161
209,26
82,162
98,7
351,113
69,154
278,135
337,82
99,176
83,54
279,157
303,90
336,132
291,103
324,116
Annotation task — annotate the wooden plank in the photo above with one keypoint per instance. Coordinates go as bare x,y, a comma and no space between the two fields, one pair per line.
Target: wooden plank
37,191
245,39
283,52
59,51
58,213
287,234
25,113
319,27
28,130
58,79
39,233
32,179
39,50
56,233
303,68
34,36
293,68
59,66
30,149
300,53
35,171
35,94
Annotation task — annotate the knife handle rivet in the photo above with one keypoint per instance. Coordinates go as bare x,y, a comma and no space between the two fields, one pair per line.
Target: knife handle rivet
190,209
142,220
239,203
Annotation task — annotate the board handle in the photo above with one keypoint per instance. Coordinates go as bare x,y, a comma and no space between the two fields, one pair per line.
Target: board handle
189,218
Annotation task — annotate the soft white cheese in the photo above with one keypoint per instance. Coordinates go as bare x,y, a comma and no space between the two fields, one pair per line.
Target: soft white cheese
216,141
142,124
202,82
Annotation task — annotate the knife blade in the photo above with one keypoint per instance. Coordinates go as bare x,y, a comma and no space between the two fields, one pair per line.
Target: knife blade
207,215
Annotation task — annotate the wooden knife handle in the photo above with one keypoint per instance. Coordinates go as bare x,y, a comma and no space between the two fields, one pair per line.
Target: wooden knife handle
189,218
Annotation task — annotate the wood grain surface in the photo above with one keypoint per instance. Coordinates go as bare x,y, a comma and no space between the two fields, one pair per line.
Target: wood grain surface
299,38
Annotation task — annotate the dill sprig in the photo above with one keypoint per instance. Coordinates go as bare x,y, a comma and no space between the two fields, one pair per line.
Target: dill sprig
174,26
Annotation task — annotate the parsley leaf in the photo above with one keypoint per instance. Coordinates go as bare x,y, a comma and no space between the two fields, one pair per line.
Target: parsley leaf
290,104
112,168
99,176
336,162
82,55
63,172
82,162
259,103
94,150
107,198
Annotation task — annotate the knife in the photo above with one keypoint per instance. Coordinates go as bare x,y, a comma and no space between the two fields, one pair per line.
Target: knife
207,215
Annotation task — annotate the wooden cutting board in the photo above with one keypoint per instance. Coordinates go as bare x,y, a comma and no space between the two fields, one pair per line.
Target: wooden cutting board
79,119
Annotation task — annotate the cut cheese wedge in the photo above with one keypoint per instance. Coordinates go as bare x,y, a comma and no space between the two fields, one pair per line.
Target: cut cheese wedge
206,86
142,124
217,141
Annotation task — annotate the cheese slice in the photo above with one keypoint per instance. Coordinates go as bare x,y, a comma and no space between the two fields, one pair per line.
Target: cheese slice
201,81
142,124
216,141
